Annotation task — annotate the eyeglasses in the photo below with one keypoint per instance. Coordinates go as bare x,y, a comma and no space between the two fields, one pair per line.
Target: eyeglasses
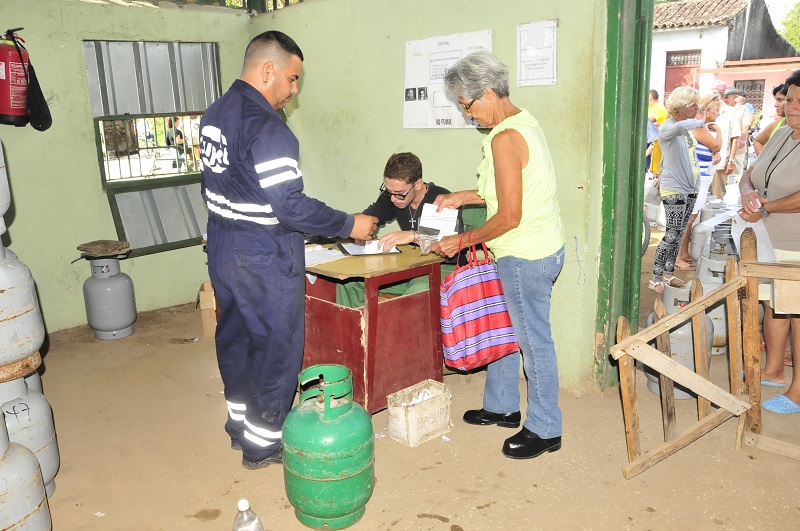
468,105
398,195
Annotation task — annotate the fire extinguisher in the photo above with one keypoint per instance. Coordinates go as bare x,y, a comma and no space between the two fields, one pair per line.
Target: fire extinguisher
13,81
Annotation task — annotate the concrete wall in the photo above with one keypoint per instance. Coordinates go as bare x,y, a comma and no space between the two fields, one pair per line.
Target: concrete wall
58,201
712,42
348,117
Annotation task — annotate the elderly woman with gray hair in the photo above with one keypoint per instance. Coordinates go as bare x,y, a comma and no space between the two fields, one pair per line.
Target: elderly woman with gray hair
679,176
517,183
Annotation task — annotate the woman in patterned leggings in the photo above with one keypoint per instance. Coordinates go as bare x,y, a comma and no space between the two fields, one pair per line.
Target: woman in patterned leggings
679,176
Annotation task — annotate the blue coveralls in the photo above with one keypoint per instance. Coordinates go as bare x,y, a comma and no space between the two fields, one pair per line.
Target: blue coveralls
257,214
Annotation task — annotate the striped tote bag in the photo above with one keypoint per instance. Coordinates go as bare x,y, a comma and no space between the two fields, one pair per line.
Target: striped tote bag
476,327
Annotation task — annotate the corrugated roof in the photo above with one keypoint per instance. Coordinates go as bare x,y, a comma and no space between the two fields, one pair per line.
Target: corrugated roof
691,13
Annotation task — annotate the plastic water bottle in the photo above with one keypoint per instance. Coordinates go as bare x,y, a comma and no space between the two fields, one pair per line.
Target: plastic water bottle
246,519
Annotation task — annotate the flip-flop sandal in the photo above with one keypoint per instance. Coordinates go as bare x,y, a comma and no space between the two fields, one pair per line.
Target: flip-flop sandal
674,281
688,267
656,285
781,405
772,384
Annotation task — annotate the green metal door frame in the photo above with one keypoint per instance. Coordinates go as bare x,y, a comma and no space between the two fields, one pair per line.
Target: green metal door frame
628,44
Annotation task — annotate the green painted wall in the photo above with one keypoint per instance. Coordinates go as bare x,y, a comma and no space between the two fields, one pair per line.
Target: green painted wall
58,202
348,117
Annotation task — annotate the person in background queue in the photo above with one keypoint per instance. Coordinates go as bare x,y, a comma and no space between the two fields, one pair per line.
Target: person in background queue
779,93
680,174
709,142
517,183
257,214
770,191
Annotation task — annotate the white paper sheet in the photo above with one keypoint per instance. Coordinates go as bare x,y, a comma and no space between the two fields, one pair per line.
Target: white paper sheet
426,103
316,254
536,53
444,221
370,247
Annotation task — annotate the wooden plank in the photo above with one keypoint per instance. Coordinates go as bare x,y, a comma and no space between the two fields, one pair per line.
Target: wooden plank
779,270
666,386
775,446
734,318
700,346
627,387
666,449
752,355
675,319
680,374
740,431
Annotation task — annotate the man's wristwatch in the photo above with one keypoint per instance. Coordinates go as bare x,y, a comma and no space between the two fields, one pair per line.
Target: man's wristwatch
764,213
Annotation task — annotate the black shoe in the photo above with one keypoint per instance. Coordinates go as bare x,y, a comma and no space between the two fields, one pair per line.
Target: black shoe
276,458
236,445
526,445
481,417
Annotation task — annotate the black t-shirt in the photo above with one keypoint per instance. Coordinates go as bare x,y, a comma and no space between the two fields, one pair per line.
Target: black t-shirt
407,217
172,134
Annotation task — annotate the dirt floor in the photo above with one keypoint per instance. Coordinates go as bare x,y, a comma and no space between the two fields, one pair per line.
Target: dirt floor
140,430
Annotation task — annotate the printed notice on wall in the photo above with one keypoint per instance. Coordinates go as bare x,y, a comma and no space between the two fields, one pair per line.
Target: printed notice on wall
427,105
536,53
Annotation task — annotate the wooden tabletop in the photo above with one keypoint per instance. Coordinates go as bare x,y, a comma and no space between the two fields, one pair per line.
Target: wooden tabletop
374,265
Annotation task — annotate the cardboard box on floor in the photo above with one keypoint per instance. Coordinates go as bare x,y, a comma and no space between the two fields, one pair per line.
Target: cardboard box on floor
208,308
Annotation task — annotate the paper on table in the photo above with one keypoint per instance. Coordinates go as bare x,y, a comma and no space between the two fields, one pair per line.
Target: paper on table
444,221
316,254
370,247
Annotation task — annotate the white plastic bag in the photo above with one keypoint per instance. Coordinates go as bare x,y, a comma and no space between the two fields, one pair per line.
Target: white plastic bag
766,253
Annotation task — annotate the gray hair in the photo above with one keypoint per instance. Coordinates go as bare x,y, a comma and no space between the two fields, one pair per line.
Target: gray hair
471,75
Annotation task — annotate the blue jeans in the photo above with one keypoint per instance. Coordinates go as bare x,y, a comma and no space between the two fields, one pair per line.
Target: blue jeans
528,285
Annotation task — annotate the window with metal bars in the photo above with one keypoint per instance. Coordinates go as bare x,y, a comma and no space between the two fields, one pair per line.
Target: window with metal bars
147,99
683,58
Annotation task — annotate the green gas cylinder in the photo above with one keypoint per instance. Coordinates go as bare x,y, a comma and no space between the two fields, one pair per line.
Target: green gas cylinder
328,451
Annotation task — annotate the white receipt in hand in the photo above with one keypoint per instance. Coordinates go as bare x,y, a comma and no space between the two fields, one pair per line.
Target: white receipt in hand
444,221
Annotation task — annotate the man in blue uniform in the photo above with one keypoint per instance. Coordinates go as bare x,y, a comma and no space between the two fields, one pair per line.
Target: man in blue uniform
257,214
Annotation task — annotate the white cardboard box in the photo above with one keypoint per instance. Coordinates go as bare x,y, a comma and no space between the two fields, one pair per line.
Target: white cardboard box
413,424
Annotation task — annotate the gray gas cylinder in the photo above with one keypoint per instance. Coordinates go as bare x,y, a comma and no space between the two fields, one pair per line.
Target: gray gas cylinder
680,340
110,300
23,504
711,272
29,421
21,327
34,381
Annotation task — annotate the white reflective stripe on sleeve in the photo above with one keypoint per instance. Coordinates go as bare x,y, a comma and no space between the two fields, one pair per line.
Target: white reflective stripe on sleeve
241,207
266,182
262,167
263,432
211,132
233,408
237,407
235,215
255,439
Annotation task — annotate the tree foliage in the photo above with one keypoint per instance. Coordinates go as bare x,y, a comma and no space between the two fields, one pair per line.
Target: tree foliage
791,27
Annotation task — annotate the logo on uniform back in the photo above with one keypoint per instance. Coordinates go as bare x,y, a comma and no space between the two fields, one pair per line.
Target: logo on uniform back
213,149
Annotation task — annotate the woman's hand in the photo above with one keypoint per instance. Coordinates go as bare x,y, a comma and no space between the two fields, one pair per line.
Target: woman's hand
750,218
715,158
751,202
447,246
714,128
395,238
452,200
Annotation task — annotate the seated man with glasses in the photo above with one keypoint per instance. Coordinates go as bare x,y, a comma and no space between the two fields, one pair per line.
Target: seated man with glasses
403,192
402,195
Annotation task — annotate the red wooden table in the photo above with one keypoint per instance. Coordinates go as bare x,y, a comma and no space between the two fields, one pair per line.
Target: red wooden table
387,344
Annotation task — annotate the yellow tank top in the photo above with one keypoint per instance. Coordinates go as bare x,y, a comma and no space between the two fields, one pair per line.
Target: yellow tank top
541,231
